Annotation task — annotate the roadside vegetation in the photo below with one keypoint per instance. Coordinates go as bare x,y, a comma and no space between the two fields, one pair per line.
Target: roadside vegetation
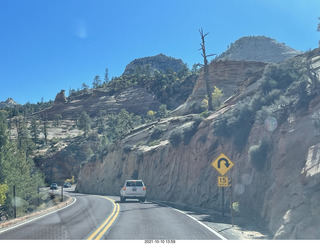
170,87
284,89
17,171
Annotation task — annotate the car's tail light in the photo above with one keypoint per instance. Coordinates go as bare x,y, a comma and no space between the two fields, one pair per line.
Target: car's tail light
144,188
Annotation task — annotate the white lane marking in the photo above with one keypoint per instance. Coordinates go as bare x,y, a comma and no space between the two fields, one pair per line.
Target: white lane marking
39,217
199,222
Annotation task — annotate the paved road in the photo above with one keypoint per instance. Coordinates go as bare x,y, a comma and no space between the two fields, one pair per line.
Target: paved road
100,217
152,221
73,222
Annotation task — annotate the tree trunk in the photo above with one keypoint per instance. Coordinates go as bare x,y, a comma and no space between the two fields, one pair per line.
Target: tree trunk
206,70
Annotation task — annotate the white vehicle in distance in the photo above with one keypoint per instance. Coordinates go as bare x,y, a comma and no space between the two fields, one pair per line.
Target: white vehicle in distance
133,189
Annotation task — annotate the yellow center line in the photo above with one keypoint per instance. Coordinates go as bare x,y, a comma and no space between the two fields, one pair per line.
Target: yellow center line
114,214
110,223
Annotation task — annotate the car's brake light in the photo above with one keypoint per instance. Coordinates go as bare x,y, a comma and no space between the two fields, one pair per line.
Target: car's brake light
144,188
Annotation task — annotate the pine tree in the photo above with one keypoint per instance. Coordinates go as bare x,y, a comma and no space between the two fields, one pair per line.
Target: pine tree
17,169
84,123
106,77
96,82
35,130
45,130
57,120
24,141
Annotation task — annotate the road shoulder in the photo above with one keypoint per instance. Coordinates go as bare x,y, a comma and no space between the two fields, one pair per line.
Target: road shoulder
243,229
67,201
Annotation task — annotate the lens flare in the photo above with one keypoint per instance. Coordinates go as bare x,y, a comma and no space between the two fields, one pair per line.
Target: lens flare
270,123
239,189
246,179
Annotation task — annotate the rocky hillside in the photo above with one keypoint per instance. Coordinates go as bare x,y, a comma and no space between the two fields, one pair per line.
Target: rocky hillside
135,99
8,103
238,68
231,77
159,63
258,48
136,91
269,129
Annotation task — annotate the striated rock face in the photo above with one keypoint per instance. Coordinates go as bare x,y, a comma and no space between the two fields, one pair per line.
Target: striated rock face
229,76
260,49
284,192
66,161
240,66
134,99
302,213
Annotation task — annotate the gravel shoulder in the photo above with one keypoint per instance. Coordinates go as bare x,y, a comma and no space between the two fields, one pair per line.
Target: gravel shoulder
242,229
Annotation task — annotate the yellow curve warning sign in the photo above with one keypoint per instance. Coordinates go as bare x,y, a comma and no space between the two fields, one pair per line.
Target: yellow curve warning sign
222,164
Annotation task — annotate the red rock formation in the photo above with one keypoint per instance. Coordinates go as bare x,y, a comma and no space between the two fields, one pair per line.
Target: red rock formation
60,98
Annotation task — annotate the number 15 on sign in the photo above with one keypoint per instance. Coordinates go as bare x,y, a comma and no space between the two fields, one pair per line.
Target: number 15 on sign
223,181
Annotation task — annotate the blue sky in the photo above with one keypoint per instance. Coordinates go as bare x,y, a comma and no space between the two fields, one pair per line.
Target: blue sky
47,46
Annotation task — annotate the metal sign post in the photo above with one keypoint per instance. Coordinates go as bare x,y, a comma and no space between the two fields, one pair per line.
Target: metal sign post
14,202
222,201
231,202
61,193
222,164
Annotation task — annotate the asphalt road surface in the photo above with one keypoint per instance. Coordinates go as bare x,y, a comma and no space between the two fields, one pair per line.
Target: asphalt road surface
104,217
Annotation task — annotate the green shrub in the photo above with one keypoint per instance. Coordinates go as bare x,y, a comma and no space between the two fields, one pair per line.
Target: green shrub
268,85
71,180
189,132
3,191
163,111
157,132
153,143
205,114
127,149
216,99
236,123
236,207
176,137
258,154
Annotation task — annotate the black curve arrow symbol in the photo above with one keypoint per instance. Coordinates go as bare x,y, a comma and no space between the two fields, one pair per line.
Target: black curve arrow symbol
226,162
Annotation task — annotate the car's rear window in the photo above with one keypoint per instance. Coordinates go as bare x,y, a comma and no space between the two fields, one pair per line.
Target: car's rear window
134,183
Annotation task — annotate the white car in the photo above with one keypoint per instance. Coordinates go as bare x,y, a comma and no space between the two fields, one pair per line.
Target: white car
133,189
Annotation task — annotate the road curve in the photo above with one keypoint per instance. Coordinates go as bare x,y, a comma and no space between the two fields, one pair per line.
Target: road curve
100,217
152,221
75,222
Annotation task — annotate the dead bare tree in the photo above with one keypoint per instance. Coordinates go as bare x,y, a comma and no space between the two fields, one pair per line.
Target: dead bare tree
206,68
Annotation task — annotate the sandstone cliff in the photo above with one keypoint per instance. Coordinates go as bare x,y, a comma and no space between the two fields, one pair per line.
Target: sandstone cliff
282,189
238,67
258,48
134,99
229,76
